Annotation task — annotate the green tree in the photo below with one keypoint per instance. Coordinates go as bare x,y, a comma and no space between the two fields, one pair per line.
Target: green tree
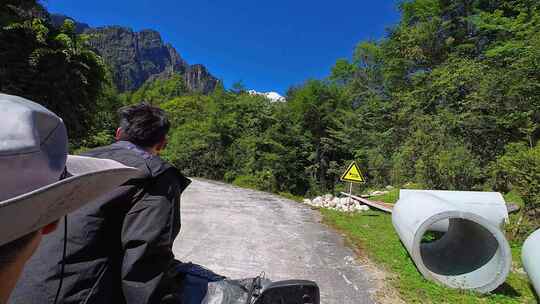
160,90
316,107
50,66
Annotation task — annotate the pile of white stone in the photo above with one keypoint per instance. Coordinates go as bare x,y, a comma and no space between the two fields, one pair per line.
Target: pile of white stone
343,204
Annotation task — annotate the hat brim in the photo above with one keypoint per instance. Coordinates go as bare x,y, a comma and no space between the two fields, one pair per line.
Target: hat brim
91,178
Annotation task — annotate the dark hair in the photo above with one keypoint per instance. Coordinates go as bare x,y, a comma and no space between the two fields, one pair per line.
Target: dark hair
143,124
9,251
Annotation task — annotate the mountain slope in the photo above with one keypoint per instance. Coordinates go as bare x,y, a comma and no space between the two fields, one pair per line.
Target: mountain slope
136,57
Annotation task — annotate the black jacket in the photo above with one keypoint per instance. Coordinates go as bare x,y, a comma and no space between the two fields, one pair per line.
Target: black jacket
119,247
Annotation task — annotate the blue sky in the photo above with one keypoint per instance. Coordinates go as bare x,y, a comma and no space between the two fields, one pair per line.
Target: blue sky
268,45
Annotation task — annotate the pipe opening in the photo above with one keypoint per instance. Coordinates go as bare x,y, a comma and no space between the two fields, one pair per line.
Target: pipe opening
432,236
464,248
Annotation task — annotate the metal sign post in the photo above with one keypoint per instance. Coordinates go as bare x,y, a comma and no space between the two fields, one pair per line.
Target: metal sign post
352,175
350,193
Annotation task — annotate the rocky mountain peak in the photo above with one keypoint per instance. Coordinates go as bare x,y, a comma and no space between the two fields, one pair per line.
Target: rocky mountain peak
136,57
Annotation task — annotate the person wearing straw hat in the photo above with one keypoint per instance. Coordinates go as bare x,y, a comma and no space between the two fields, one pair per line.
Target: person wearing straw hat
40,182
118,249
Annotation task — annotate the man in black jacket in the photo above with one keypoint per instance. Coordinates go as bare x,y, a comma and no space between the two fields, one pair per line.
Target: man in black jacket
117,249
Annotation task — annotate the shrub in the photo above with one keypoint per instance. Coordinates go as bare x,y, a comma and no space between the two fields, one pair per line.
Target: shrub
263,180
521,165
436,160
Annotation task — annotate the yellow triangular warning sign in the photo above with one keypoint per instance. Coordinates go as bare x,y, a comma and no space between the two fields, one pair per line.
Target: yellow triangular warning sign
353,174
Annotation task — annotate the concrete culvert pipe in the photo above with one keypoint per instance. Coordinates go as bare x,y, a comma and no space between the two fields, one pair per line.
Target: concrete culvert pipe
472,253
530,255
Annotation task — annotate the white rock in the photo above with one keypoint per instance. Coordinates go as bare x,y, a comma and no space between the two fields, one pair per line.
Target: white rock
347,201
363,208
343,204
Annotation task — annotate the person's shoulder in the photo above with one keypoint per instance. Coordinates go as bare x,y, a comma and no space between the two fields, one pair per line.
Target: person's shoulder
154,166
166,172
122,155
95,152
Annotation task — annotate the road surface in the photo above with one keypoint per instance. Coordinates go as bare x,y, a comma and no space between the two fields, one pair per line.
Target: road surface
240,233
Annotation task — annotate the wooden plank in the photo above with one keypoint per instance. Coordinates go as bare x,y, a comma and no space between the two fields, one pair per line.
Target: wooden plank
377,205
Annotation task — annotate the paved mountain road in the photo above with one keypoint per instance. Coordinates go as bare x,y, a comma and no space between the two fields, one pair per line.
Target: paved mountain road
240,233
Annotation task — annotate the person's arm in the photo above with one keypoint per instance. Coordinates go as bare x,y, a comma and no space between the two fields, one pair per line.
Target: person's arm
147,236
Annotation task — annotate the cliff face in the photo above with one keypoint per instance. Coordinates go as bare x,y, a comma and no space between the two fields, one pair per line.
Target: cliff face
136,57
199,79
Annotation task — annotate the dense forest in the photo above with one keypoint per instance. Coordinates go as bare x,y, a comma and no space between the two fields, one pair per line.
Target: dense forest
449,99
